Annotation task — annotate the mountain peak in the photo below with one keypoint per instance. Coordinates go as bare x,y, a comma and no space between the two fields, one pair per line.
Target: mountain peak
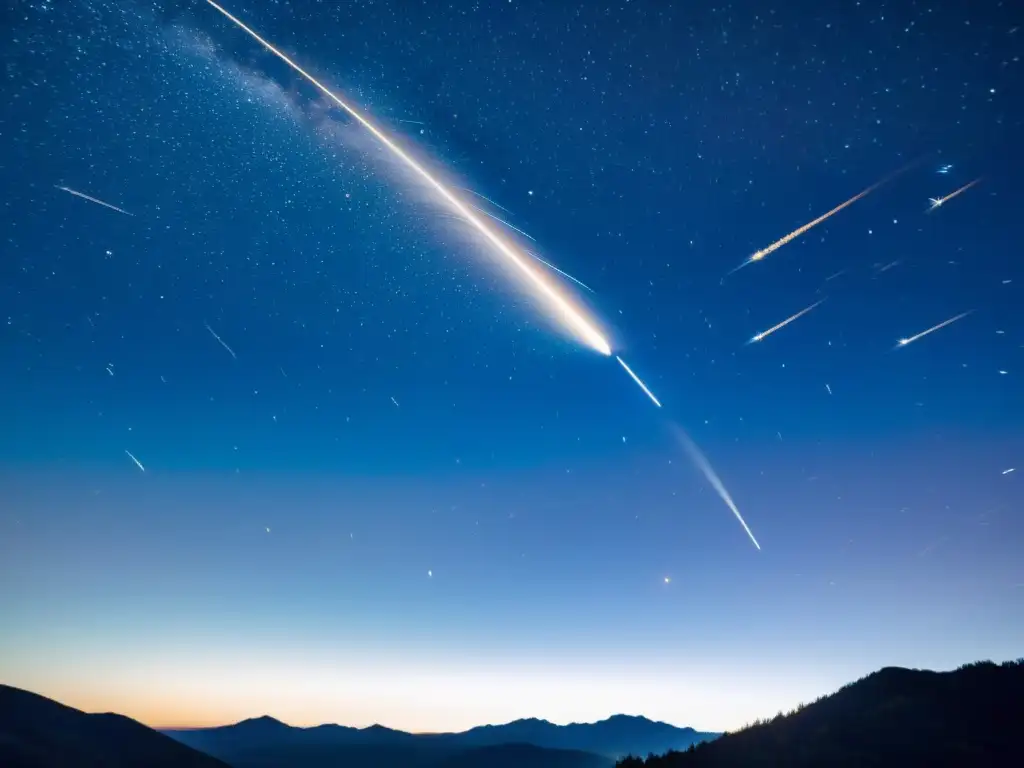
264,721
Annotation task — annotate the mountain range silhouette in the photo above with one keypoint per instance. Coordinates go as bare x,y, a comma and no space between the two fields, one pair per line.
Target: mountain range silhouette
890,719
249,742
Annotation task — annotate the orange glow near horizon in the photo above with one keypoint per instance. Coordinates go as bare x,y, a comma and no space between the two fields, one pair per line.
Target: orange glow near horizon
444,699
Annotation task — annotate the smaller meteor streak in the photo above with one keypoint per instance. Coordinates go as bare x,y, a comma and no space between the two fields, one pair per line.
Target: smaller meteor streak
711,476
563,274
787,321
484,197
1008,471
637,380
137,462
91,199
501,221
757,256
834,275
943,324
219,339
937,201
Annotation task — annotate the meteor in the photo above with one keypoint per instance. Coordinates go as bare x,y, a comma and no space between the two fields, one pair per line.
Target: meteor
221,341
943,324
797,232
137,462
787,321
937,201
711,476
637,380
563,274
502,221
484,197
559,304
96,200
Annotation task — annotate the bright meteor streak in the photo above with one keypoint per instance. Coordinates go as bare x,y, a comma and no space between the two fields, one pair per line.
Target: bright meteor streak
797,232
637,380
943,324
787,321
92,199
563,307
711,476
937,201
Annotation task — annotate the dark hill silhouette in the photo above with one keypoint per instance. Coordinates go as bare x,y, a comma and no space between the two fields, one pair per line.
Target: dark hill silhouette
615,737
890,719
522,755
36,732
249,744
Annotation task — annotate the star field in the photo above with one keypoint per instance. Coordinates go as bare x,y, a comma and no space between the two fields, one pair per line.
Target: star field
288,440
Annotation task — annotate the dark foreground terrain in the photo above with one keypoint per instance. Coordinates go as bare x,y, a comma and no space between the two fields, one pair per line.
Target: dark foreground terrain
36,732
894,718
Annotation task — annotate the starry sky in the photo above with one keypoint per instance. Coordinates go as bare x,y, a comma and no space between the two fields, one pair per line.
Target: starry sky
381,482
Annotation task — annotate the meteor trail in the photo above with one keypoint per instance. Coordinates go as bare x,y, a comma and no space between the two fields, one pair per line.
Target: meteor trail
502,221
637,380
943,324
96,200
562,306
484,197
563,274
705,467
787,321
137,462
797,232
222,342
937,201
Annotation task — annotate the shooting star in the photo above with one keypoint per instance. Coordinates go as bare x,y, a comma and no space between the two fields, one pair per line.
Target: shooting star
757,256
137,462
943,324
1008,471
637,380
92,199
828,388
484,197
549,265
561,306
502,221
221,341
705,467
938,201
787,321
834,275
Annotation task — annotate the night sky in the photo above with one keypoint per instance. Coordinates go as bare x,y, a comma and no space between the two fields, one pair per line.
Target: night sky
395,489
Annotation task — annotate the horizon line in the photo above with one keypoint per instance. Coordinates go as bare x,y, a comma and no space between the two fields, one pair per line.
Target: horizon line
416,733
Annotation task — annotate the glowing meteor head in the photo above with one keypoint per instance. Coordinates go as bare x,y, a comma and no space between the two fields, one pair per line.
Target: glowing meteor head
903,342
